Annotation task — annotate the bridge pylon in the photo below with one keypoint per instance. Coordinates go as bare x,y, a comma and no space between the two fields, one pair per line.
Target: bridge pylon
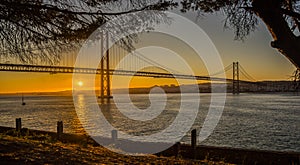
105,88
236,78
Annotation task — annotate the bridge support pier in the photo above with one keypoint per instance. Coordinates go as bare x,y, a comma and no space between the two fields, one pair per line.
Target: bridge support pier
105,89
236,79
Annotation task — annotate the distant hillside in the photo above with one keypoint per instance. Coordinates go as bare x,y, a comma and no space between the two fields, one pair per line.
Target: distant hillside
262,86
256,87
62,93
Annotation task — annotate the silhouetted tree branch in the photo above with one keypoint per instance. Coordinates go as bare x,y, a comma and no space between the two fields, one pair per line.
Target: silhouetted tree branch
44,29
28,27
280,16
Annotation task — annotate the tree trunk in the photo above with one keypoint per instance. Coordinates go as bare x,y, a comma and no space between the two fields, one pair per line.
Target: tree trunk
284,39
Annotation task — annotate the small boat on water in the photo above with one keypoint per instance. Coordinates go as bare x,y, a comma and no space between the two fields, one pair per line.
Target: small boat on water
23,103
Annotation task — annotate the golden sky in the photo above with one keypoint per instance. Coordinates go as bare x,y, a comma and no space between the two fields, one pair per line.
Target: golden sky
255,55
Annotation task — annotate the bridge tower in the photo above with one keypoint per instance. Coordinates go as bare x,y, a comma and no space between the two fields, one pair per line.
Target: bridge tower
105,89
235,78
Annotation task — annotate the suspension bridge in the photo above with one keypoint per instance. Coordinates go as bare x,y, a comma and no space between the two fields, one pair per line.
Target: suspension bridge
111,59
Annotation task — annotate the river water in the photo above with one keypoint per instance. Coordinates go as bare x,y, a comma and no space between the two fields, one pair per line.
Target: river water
252,121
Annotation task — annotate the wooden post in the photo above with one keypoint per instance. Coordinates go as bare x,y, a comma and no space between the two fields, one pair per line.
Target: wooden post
114,135
177,149
60,130
18,124
194,142
194,138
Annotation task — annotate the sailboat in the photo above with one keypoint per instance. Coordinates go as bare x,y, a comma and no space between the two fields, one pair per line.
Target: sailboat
23,103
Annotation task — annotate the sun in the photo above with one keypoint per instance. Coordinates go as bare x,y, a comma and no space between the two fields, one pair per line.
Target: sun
80,83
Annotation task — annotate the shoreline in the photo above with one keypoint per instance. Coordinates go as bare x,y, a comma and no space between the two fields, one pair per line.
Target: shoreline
184,151
70,94
36,147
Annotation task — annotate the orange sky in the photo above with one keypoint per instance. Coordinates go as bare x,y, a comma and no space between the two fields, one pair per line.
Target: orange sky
254,54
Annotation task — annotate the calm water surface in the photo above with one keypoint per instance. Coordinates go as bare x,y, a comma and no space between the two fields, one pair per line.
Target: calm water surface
254,121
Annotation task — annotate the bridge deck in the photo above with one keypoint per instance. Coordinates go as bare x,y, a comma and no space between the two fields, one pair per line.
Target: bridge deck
64,69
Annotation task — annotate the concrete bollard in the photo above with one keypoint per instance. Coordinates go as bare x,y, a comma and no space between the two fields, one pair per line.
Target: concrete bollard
60,130
114,135
18,124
